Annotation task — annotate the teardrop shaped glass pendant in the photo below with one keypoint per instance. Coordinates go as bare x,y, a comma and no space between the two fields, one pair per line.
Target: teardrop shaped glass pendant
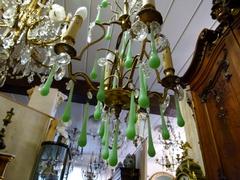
131,131
104,4
101,129
44,91
165,132
113,156
68,108
93,74
108,35
105,152
97,20
82,141
180,120
151,149
154,60
97,112
143,100
101,92
129,60
123,44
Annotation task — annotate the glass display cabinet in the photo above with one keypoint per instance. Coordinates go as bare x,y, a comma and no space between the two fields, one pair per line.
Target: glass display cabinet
53,162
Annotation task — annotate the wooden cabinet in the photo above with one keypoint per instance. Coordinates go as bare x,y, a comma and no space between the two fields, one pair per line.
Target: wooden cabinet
126,174
214,79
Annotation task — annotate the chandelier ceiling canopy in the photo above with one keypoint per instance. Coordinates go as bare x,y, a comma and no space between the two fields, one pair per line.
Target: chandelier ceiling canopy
38,39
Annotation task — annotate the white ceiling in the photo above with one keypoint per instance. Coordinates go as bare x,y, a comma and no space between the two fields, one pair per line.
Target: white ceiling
183,21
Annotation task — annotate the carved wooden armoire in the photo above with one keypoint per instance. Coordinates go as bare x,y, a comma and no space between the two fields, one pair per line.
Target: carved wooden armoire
214,79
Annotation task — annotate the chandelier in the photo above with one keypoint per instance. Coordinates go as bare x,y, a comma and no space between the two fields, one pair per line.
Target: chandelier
38,39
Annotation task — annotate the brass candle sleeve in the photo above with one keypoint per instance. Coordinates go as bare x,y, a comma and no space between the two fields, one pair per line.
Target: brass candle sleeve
167,62
148,2
74,26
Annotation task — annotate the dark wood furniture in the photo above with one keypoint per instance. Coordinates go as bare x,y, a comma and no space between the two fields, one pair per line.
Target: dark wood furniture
123,173
214,79
4,160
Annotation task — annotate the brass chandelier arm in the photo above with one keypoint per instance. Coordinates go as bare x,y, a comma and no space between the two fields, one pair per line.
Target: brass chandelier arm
109,50
158,76
2,24
118,5
161,96
130,70
136,60
79,57
112,22
86,78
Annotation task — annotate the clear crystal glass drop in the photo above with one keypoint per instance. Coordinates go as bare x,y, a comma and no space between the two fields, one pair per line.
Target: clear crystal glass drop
102,61
139,30
10,13
4,54
161,42
155,28
146,70
60,73
25,56
2,80
31,78
8,41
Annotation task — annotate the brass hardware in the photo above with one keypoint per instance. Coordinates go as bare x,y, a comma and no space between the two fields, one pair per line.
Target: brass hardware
149,14
65,46
73,29
118,98
167,62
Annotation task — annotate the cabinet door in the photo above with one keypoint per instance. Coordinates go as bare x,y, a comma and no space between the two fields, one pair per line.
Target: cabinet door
219,113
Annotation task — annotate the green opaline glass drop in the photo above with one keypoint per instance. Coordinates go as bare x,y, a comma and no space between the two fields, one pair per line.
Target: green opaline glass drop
106,129
97,112
45,88
104,4
115,80
82,141
113,156
151,149
101,92
129,60
97,20
131,131
101,129
143,99
180,120
123,45
101,95
154,60
68,108
108,35
165,132
93,74
105,152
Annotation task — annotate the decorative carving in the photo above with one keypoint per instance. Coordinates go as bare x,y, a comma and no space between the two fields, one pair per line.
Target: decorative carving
6,121
225,10
205,40
222,67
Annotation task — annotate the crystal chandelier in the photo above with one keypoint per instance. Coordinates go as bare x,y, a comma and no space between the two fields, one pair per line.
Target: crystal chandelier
29,29
42,28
